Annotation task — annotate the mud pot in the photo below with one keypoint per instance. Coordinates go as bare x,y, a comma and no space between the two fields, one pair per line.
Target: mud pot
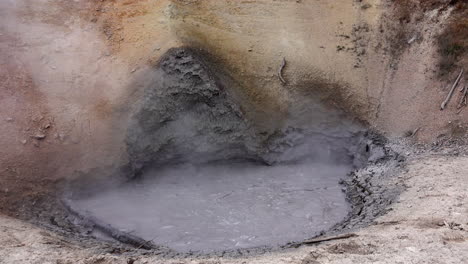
201,177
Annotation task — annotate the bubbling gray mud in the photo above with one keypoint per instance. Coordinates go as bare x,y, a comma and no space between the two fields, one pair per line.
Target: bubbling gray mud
225,206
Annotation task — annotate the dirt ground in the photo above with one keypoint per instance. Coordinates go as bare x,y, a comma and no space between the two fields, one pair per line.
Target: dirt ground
70,71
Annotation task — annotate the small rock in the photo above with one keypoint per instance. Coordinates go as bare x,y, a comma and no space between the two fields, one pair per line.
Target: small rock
39,136
411,40
411,249
75,140
24,141
9,119
47,126
377,153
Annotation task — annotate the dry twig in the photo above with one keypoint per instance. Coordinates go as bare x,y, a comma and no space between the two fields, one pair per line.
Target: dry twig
445,102
415,131
463,98
323,239
146,242
280,71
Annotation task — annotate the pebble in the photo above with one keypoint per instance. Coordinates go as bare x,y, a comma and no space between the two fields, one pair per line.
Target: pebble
412,249
39,136
9,119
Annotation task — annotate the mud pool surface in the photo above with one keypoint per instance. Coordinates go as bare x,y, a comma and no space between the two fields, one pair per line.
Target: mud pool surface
225,206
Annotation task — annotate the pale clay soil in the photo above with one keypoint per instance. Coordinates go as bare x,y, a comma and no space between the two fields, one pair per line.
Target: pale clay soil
428,224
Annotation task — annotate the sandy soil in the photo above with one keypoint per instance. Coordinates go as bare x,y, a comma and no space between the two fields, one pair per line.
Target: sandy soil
426,225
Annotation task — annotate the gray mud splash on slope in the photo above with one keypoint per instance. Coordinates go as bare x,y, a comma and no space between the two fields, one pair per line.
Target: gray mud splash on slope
190,112
186,115
189,115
